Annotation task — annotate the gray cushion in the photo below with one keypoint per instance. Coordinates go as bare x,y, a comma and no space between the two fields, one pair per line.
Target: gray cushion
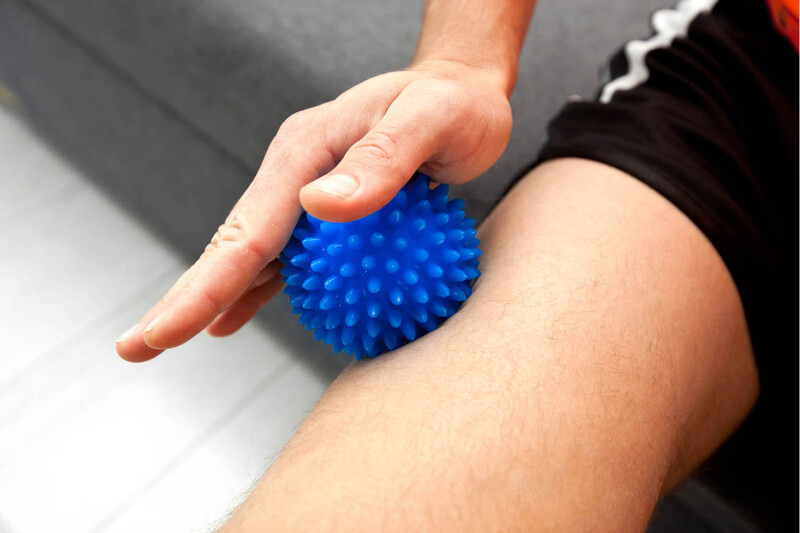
233,70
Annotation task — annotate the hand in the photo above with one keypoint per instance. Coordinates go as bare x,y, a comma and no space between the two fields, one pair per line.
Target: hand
446,119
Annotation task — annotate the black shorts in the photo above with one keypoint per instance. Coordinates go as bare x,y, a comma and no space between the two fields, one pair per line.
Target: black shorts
706,113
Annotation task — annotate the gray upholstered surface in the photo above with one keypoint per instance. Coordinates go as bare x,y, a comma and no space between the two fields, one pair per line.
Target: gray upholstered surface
144,154
231,71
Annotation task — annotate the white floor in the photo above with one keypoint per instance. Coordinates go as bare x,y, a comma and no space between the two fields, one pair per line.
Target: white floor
87,441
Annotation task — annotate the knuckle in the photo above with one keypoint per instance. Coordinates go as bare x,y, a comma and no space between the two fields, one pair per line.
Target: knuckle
311,128
216,305
377,147
454,105
234,234
445,95
296,122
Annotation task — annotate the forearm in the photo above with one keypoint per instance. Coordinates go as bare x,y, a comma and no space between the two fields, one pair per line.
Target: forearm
487,34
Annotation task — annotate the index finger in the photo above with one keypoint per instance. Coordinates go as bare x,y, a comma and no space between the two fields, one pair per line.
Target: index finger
254,233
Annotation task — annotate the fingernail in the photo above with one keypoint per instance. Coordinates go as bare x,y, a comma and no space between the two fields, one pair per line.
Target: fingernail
124,336
339,185
152,324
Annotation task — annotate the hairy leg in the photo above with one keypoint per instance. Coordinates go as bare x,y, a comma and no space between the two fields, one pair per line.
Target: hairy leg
603,356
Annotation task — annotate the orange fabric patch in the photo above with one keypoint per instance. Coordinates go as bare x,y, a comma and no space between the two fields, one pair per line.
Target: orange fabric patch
784,16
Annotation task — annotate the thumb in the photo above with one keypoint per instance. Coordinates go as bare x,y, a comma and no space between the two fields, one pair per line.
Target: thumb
376,167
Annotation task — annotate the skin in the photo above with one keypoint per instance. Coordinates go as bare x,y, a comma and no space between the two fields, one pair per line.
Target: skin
448,115
603,355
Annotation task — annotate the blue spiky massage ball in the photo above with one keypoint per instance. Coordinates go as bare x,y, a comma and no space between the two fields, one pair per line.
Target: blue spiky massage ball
376,283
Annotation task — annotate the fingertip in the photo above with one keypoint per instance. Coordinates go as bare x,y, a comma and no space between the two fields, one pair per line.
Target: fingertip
133,349
212,332
176,326
323,206
341,186
233,319
154,343
140,357
220,328
151,334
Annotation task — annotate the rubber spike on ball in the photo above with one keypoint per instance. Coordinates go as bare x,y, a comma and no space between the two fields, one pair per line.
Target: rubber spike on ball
374,284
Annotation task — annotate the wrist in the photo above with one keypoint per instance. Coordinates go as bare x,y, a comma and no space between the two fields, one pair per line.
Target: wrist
502,75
